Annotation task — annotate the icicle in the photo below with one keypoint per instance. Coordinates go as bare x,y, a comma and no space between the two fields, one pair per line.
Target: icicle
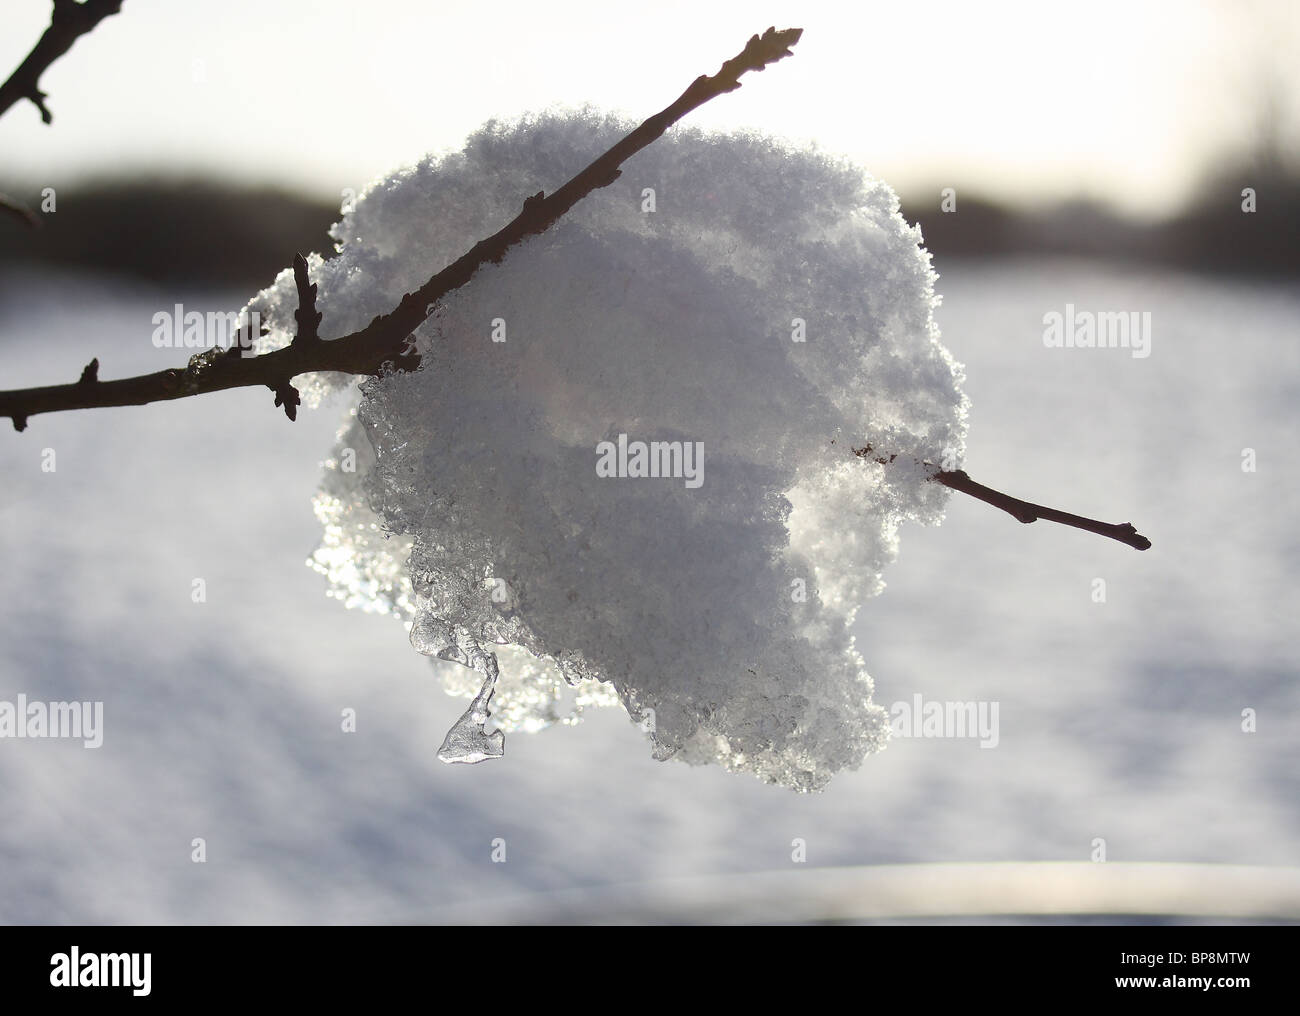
468,740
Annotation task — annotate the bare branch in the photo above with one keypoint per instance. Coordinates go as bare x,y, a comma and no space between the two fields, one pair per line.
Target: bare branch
68,23
384,340
1024,511
386,335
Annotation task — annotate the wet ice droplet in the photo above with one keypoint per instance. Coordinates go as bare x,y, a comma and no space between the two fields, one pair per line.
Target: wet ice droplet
469,740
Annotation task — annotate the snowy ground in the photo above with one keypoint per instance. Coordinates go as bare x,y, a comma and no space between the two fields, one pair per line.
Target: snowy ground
1119,720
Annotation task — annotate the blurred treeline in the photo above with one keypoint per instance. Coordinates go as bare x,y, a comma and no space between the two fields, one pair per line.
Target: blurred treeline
205,232
1212,233
168,231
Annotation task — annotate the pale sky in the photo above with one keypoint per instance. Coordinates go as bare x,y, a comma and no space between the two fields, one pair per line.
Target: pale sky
1125,102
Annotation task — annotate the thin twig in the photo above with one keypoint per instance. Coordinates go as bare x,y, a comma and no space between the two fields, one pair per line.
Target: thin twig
1024,511
68,22
307,316
384,340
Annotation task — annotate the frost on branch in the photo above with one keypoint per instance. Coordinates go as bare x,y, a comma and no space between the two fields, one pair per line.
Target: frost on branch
765,306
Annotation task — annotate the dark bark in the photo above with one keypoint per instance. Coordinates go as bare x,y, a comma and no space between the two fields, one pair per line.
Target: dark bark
68,22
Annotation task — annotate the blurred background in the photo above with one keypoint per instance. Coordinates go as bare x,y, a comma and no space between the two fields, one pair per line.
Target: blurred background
1087,154
224,134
